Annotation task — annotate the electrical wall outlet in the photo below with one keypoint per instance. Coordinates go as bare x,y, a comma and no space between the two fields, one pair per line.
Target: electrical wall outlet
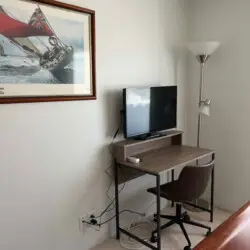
88,218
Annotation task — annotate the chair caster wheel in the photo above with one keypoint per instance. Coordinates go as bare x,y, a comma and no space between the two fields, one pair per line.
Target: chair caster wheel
153,239
187,248
208,232
187,217
155,218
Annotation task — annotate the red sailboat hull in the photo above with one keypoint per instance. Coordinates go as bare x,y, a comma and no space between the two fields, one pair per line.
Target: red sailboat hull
11,28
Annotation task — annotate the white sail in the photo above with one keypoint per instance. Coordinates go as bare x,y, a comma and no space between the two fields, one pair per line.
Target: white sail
25,43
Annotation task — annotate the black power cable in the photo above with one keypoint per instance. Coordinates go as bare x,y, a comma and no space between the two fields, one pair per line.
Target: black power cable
110,219
106,210
111,203
125,210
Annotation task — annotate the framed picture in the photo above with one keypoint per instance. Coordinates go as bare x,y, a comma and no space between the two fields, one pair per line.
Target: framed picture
47,52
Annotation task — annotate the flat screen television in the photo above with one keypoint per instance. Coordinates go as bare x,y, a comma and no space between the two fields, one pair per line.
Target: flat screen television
147,111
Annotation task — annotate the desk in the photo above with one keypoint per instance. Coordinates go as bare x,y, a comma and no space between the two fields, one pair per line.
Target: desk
157,156
232,234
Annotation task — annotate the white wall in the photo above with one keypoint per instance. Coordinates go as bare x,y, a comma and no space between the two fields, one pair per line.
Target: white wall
227,85
53,155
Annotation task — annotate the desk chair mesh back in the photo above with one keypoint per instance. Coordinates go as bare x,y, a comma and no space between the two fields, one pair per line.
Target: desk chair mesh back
190,185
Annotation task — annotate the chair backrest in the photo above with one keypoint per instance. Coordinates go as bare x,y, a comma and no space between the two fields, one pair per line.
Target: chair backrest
194,180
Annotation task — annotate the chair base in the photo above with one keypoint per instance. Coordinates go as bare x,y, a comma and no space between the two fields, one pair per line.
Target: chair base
180,219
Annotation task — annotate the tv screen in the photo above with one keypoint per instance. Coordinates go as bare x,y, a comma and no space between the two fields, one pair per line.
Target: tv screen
149,110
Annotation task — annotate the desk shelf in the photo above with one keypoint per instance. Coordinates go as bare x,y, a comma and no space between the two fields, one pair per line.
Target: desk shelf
130,147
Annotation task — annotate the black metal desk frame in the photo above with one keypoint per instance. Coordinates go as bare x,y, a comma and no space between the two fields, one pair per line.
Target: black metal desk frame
158,204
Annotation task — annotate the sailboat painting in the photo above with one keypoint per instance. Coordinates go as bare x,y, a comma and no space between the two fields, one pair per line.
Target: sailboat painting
47,52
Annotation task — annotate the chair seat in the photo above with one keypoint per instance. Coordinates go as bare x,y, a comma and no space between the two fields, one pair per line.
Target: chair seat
170,191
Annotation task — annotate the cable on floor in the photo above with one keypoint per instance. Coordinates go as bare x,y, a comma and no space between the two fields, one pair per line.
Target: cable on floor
129,243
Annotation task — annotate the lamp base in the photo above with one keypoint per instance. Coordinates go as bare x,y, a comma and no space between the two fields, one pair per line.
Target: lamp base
200,203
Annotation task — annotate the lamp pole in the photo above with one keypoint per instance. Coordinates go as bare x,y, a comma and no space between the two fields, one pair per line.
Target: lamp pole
202,51
202,60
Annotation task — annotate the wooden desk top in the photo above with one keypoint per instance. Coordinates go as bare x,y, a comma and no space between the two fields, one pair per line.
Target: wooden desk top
233,234
167,158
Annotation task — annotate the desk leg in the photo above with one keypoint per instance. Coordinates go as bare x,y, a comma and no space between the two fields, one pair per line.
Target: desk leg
172,179
212,193
117,203
158,201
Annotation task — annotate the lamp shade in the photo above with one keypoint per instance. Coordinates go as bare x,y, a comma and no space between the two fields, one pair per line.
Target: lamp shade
203,48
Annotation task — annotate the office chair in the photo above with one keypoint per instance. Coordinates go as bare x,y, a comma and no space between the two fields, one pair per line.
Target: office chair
191,184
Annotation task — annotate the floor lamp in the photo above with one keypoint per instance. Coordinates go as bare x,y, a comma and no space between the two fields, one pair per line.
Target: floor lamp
202,52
